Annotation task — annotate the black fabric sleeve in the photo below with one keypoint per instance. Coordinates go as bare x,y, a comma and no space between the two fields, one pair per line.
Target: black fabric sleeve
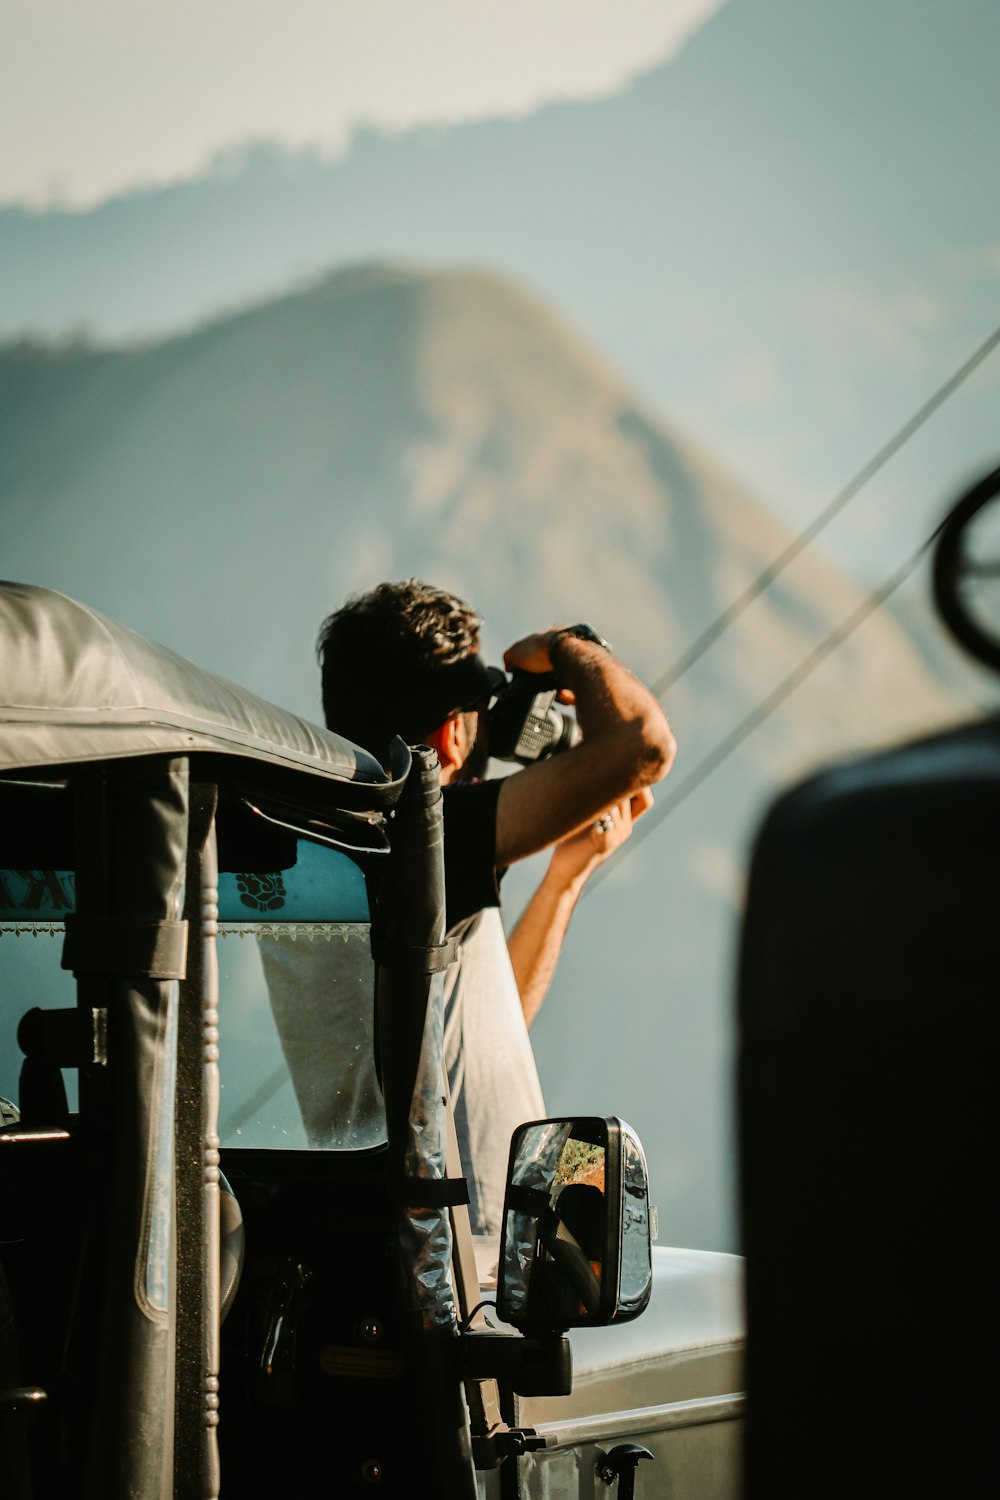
470,836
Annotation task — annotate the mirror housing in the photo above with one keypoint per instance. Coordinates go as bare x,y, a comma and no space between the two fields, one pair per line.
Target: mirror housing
575,1251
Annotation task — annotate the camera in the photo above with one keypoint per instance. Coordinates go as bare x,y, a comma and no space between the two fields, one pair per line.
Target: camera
524,722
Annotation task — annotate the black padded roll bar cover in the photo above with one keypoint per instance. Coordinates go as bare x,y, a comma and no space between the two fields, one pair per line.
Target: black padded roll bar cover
411,915
133,824
868,1030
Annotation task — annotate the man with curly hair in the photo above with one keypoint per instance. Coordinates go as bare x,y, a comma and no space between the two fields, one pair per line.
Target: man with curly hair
404,659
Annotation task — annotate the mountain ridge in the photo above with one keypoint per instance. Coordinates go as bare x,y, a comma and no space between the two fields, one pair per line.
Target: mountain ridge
444,404
221,491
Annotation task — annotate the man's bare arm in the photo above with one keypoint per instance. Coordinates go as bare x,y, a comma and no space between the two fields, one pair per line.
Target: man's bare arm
627,746
537,939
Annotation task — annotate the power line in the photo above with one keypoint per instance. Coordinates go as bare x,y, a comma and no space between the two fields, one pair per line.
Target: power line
799,542
672,799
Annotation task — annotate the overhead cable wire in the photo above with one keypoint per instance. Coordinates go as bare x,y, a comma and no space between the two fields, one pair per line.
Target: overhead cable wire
802,539
672,799
715,757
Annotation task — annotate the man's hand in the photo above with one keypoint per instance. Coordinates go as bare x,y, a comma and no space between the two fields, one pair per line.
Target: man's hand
577,857
627,746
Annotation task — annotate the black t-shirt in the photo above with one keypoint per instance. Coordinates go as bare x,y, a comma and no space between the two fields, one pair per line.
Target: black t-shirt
471,880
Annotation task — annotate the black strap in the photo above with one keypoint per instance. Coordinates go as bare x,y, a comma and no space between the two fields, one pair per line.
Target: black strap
109,945
419,960
430,1192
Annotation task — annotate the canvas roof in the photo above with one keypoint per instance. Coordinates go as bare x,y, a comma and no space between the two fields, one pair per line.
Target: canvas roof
76,686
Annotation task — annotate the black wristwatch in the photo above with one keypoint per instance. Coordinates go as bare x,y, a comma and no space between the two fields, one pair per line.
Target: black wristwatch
580,633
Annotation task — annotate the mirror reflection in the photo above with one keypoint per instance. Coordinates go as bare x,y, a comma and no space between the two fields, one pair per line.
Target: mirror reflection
557,1230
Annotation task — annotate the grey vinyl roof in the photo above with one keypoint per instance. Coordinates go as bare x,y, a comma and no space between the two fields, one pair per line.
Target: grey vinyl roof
75,686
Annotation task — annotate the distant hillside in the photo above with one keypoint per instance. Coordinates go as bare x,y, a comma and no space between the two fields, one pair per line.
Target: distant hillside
383,421
223,490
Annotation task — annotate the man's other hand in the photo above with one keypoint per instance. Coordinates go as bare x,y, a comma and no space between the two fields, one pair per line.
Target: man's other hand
626,747
575,858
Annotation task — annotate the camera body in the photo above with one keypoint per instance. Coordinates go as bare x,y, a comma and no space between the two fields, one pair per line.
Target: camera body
524,723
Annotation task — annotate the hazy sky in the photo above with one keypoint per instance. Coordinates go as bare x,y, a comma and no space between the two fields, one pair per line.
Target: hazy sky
100,95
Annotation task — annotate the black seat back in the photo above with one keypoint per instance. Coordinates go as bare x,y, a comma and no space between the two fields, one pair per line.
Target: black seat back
869,989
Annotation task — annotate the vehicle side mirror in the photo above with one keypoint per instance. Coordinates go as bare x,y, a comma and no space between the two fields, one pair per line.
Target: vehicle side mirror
575,1250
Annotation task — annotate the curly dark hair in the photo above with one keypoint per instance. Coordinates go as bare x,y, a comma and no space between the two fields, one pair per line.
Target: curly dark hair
375,653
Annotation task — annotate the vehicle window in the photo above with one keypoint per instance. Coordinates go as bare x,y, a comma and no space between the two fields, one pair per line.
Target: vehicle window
296,1010
33,904
296,1005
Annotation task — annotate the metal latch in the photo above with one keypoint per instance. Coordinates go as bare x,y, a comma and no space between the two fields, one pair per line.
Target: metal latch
621,1464
504,1442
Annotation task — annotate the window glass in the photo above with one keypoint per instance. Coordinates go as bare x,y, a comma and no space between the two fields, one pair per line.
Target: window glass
296,983
296,1006
33,904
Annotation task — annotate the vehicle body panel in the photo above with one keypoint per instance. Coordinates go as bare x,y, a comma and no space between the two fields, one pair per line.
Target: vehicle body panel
672,1381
